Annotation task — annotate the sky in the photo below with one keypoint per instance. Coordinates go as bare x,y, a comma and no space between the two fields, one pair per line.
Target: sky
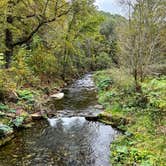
111,6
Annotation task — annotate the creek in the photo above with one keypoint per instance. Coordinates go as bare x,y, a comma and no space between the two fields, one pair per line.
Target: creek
67,139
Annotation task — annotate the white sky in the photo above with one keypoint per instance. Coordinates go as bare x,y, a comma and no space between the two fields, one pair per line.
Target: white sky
111,6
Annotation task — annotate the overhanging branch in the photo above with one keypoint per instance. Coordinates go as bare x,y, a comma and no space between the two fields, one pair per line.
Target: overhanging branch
30,36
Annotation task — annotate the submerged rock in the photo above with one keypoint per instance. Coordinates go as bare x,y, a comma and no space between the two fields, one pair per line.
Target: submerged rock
57,96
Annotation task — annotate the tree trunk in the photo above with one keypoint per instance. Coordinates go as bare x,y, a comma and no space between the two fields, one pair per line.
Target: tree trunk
9,47
9,37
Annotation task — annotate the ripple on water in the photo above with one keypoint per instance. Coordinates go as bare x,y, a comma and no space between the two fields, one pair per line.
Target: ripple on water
64,141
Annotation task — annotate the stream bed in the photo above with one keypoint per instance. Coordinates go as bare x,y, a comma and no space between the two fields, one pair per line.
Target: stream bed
67,139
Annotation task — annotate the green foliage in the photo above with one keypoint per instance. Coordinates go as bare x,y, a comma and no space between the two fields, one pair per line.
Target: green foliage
6,109
12,111
26,94
6,83
143,142
127,155
123,80
156,92
104,84
18,121
101,75
22,71
3,107
4,130
2,62
103,61
43,63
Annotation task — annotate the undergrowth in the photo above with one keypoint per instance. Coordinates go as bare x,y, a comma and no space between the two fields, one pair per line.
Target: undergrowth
143,142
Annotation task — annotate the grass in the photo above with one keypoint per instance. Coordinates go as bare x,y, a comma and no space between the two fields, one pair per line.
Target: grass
141,117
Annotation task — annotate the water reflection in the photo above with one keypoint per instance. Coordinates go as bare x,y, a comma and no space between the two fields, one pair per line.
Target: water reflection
78,96
69,142
64,141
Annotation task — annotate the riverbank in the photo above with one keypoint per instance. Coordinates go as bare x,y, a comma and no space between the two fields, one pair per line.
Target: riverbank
141,117
24,105
67,138
21,107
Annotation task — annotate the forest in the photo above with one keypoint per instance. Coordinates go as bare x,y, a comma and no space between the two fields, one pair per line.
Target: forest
47,45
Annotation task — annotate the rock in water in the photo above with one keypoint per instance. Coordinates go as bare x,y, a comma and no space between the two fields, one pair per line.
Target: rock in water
37,116
57,96
92,118
100,107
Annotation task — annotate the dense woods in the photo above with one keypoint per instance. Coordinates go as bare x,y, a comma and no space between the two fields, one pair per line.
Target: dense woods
134,94
142,48
64,32
48,43
48,40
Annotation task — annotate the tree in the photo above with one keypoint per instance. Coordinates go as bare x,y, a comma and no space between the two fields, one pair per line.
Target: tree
139,40
108,29
23,19
82,24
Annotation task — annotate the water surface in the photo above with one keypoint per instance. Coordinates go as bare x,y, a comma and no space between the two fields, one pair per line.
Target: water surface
68,139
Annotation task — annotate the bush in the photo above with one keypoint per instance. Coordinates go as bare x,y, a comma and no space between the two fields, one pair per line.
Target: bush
43,64
103,61
2,62
23,75
155,90
6,83
4,130
104,84
143,143
122,79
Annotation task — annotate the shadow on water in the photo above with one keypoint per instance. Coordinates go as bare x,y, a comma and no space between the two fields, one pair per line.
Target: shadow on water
66,140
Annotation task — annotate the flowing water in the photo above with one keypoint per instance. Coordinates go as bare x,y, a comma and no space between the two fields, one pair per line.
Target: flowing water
68,139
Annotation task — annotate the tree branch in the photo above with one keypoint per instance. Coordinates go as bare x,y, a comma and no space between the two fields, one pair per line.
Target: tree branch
29,37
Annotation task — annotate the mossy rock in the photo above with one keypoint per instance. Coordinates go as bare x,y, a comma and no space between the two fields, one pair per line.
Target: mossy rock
115,121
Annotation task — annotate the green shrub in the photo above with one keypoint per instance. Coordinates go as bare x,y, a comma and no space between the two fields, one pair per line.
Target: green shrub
4,130
104,84
23,75
43,63
26,94
103,61
3,107
18,121
122,79
2,62
7,84
155,89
